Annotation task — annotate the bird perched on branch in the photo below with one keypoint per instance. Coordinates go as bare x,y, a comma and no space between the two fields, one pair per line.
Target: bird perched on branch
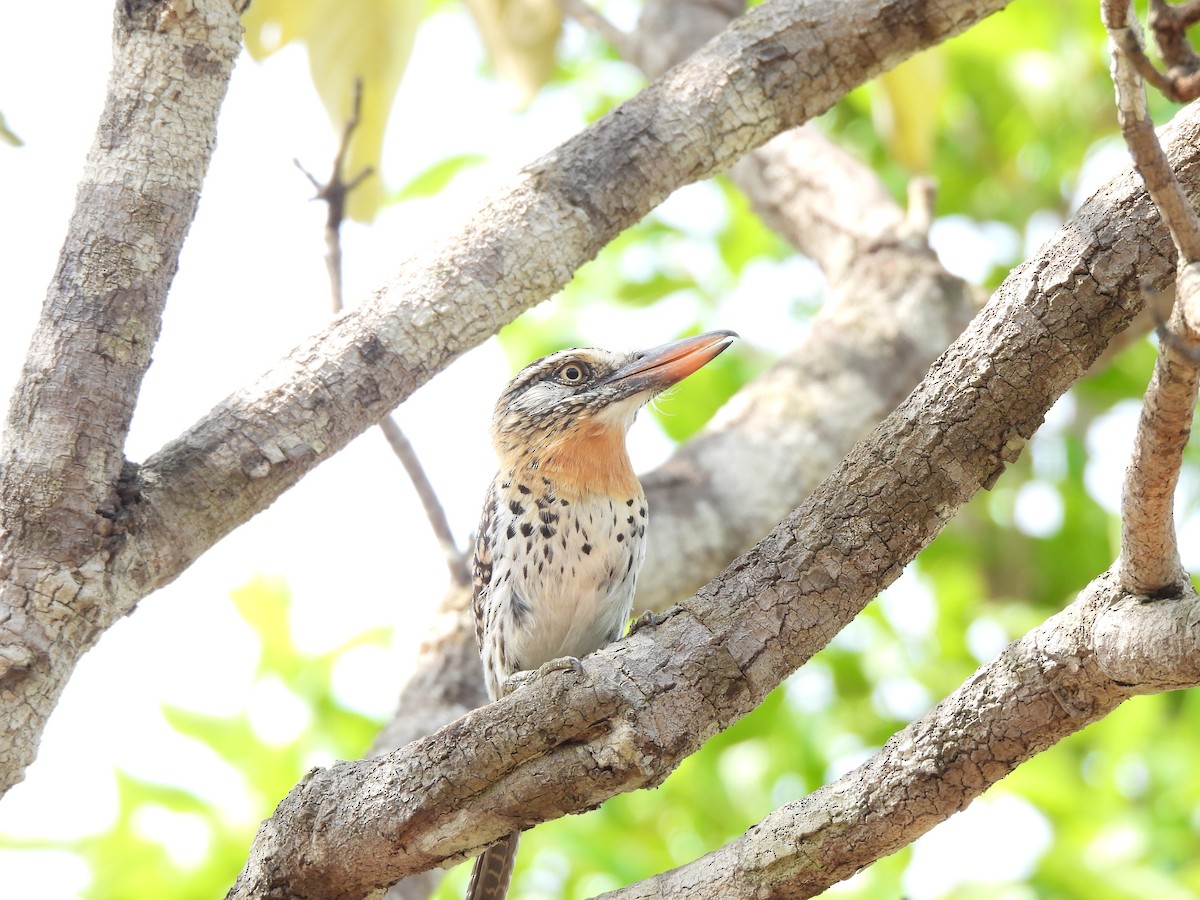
564,524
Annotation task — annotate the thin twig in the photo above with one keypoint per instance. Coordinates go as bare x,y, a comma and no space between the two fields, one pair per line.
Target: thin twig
1138,130
1170,24
334,193
403,449
1150,563
593,21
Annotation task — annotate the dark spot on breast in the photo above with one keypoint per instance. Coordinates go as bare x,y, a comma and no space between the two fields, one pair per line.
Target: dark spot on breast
564,502
642,512
526,529
641,531
524,489
548,552
629,502
548,531
529,546
587,549
515,507
630,520
518,607
620,537
511,532
525,572
547,516
629,566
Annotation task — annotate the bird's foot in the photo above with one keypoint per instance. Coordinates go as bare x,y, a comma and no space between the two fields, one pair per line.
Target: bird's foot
526,676
648,619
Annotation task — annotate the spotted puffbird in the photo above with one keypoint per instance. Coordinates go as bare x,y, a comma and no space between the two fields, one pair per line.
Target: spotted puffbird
563,531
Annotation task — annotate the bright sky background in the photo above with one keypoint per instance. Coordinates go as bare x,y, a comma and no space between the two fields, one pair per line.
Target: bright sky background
251,284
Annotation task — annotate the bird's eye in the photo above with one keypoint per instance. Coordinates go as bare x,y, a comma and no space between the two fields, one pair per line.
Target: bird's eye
574,373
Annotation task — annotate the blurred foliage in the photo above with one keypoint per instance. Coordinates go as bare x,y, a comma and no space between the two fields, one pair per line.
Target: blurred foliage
1004,117
8,135
435,178
167,841
521,37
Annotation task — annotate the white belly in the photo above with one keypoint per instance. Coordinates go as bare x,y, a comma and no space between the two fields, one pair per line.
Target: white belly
566,577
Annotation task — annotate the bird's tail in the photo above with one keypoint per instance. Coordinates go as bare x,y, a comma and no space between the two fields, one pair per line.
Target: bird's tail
493,870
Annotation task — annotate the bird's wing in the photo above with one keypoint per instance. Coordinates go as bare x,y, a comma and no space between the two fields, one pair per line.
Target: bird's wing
482,568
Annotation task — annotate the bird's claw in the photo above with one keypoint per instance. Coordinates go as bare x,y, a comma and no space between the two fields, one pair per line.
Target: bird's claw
648,619
524,677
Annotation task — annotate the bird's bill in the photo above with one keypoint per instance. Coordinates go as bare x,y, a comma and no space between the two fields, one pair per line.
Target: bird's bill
660,367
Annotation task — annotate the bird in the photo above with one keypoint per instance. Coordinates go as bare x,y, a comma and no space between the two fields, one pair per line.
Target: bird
563,530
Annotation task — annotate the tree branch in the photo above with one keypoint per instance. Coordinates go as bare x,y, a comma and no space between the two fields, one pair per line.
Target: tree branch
1150,563
645,703
64,483
1138,129
1069,672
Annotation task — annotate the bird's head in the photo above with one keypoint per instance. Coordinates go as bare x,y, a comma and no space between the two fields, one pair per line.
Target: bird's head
576,405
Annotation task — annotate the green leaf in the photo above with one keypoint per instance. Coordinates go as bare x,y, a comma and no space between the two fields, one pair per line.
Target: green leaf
7,135
433,180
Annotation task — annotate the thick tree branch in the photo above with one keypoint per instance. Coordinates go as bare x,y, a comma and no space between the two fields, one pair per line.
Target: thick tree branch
646,702
891,308
63,487
1069,672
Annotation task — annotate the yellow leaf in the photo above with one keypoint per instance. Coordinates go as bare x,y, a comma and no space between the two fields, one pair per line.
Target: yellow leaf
270,24
347,40
520,37
912,94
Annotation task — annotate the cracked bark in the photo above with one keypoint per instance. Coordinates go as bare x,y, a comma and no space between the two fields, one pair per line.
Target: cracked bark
649,700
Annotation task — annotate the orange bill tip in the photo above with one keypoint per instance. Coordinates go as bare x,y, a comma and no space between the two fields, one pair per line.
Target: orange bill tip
660,367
